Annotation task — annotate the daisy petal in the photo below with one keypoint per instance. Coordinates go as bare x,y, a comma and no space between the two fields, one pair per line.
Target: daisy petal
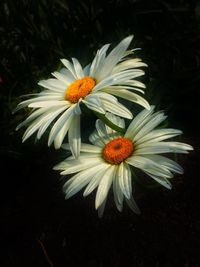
119,87
129,64
104,186
94,103
96,140
163,147
64,118
146,164
44,104
78,69
45,126
118,194
85,148
95,180
74,136
156,119
62,77
113,58
132,205
86,70
68,74
98,61
62,133
77,182
166,163
125,179
102,208
138,122
78,165
130,96
117,109
118,78
53,84
34,115
158,135
70,67
161,180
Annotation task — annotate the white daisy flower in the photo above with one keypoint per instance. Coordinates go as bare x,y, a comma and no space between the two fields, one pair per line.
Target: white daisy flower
96,86
110,158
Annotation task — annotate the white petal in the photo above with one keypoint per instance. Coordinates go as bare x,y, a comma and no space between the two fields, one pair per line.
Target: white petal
130,96
166,163
158,135
63,78
36,99
74,136
117,109
105,96
95,180
118,78
93,103
161,180
113,58
104,186
96,140
135,83
85,148
45,126
119,87
102,208
68,75
98,61
86,70
118,194
128,64
155,120
65,118
138,122
62,133
146,164
33,115
78,69
101,130
36,125
80,165
132,205
77,182
115,119
53,84
70,67
44,104
124,176
71,161
162,147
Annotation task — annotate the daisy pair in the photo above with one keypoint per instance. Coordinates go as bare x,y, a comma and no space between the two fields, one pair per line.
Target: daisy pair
108,162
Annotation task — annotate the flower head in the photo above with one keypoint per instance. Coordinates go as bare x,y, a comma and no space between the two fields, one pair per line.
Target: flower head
95,85
111,157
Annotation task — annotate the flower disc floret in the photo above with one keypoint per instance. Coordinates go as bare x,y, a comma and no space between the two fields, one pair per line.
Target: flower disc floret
117,150
79,89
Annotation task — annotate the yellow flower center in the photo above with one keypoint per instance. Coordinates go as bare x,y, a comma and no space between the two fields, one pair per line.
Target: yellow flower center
79,89
118,150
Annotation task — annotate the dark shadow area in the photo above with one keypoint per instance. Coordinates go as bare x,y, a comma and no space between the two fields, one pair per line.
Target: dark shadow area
38,226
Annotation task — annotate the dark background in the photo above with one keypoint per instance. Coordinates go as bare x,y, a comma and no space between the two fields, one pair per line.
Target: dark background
39,227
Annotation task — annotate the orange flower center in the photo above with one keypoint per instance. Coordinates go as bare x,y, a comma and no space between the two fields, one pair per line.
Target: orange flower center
118,150
79,89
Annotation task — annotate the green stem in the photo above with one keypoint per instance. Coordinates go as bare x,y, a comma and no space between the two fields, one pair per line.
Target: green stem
109,123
